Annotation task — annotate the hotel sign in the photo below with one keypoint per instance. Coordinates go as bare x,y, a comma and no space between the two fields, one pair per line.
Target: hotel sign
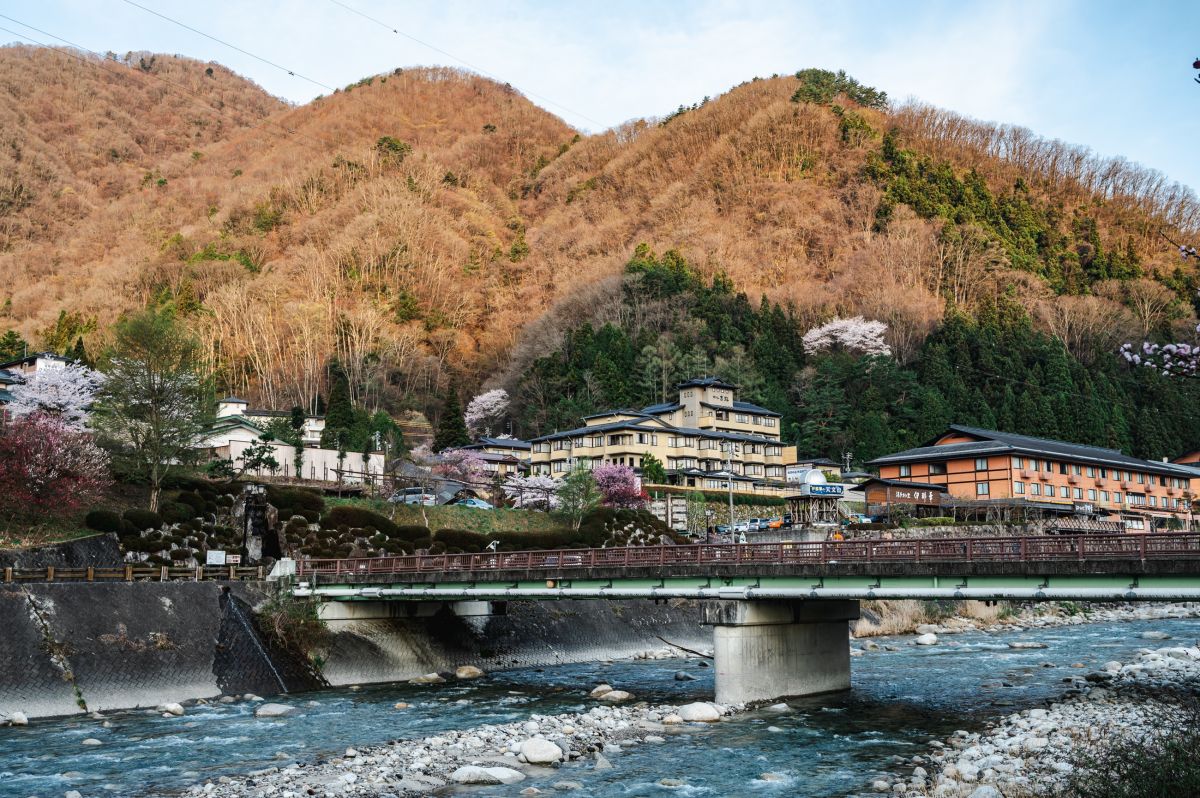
821,490
897,495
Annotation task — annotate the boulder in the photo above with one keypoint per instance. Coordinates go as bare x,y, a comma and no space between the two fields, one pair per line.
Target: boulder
567,785
91,741
985,791
273,711
699,712
472,774
879,785
616,696
684,676
927,628
171,709
429,678
600,690
1153,635
1025,644
400,705
927,639
540,752
18,719
602,762
468,672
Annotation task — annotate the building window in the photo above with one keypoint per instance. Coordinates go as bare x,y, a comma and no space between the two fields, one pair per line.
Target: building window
1091,494
1153,501
1035,488
1076,470
981,489
1117,497
1064,492
1091,471
1077,493
1141,478
906,470
1062,468
1104,496
937,468
981,464
741,418
1018,462
770,422
1019,488
1047,466
1103,473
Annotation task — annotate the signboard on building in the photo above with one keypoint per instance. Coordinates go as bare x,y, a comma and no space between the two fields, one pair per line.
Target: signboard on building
794,473
679,519
215,557
895,494
821,490
1084,509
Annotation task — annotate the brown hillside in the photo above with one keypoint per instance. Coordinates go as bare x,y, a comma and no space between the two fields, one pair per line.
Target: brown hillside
416,223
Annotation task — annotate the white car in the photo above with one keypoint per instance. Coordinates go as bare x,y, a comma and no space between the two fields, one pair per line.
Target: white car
413,496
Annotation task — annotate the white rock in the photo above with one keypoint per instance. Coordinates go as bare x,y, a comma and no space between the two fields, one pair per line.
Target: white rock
171,708
429,678
985,791
879,785
672,719
1154,635
1024,644
468,672
540,752
91,741
699,711
273,711
471,774
18,719
616,696
600,690
72,794
927,639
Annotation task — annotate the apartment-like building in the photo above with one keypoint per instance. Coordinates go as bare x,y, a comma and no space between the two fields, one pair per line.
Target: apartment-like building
233,407
705,440
984,465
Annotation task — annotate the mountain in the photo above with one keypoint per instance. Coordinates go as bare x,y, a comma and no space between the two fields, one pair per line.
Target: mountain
429,225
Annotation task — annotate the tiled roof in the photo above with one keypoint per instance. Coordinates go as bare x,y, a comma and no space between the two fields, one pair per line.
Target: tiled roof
665,407
654,424
753,408
900,483
233,400
10,377
510,443
707,382
32,357
993,442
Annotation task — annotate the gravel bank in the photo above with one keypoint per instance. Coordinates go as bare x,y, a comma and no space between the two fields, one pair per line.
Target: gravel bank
1034,751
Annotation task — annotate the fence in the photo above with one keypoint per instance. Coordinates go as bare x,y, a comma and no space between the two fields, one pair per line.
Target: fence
132,573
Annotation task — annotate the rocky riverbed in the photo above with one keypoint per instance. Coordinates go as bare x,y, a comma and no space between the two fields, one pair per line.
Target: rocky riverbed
1033,752
484,755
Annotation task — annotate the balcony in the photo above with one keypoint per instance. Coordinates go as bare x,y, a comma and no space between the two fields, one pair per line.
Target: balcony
1073,479
1026,474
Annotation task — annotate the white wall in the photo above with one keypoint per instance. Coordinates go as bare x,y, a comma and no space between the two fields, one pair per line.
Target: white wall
319,464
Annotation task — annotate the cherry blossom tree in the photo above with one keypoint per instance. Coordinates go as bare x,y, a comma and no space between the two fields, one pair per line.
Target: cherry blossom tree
534,492
47,467
1179,359
462,465
66,391
849,335
485,410
619,486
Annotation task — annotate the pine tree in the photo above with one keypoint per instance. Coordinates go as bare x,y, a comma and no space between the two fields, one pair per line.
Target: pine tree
12,346
79,353
339,416
452,427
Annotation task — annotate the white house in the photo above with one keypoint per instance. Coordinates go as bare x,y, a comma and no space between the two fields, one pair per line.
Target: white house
310,433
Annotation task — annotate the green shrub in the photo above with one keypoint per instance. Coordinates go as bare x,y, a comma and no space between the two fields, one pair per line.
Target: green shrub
937,520
296,500
143,519
411,532
181,554
461,539
193,500
347,517
103,521
176,513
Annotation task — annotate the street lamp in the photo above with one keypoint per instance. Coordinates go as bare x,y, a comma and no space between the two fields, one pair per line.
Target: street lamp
730,448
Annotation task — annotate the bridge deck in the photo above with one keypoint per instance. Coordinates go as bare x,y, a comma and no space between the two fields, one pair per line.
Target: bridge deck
1101,567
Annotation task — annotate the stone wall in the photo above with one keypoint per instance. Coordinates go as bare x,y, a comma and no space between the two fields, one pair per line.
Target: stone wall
101,551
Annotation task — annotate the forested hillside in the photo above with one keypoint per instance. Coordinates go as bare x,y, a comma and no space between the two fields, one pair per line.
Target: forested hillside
428,228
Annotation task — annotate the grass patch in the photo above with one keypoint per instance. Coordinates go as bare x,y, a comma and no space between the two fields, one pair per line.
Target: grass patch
471,519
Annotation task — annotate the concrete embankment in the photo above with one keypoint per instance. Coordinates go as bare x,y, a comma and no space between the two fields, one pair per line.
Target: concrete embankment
77,647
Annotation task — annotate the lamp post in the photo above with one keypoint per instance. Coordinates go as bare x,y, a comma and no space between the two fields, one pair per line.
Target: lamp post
731,449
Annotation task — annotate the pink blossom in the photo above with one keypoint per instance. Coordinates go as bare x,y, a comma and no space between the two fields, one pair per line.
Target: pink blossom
851,335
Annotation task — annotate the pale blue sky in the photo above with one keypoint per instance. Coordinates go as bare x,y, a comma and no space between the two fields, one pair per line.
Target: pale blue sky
1114,76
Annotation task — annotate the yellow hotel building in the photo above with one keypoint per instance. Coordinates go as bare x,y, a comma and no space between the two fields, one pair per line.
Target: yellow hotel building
691,437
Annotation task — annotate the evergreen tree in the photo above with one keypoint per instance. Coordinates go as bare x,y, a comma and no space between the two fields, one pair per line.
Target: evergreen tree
12,346
452,427
339,416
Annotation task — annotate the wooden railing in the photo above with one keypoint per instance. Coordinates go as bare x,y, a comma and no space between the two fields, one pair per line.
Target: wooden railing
131,573
1023,550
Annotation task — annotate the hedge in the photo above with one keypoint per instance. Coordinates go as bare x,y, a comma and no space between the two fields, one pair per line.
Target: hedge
358,518
937,520
176,512
143,519
295,499
103,521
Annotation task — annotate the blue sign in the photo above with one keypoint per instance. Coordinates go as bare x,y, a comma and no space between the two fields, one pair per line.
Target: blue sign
824,490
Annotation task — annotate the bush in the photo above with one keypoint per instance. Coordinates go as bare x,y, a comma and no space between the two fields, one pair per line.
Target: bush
193,500
357,518
461,539
181,554
143,519
296,499
411,532
176,513
937,520
103,521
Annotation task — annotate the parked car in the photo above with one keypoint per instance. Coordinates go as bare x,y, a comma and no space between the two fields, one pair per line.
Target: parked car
413,496
788,521
857,518
775,523
742,526
471,501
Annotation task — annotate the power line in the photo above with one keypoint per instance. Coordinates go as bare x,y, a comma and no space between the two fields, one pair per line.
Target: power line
280,67
468,64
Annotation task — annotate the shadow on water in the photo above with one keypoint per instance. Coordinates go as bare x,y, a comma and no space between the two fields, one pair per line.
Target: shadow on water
823,746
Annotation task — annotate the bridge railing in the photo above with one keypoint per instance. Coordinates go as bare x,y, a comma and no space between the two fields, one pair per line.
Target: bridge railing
1024,549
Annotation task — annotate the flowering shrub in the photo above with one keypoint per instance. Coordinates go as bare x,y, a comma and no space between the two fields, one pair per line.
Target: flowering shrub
49,468
462,465
536,492
620,486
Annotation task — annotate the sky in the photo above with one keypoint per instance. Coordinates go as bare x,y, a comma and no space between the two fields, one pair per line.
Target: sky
1115,76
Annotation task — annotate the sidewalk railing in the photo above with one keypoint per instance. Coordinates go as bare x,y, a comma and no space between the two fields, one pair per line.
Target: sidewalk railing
132,573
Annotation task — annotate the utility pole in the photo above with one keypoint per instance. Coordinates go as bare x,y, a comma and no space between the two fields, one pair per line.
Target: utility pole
730,450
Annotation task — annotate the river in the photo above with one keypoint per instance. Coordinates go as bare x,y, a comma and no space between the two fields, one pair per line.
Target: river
828,746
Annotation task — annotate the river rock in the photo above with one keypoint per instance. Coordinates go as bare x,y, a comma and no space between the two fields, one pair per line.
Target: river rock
602,762
927,639
540,752
879,785
699,712
985,791
600,690
671,782
1025,644
429,678
684,676
472,774
72,794
1153,635
468,672
927,628
401,705
171,709
567,785
18,719
91,741
273,711
616,696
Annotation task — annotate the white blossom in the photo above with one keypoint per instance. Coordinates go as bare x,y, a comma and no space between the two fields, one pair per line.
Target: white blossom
852,335
485,409
534,492
65,391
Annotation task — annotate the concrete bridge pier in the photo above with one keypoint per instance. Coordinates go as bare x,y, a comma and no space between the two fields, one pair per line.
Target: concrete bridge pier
768,649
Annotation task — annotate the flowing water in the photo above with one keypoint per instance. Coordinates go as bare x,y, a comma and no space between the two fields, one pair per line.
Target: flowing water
828,746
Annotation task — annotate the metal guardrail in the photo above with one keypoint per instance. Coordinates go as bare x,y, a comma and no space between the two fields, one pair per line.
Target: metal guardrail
1058,548
131,573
